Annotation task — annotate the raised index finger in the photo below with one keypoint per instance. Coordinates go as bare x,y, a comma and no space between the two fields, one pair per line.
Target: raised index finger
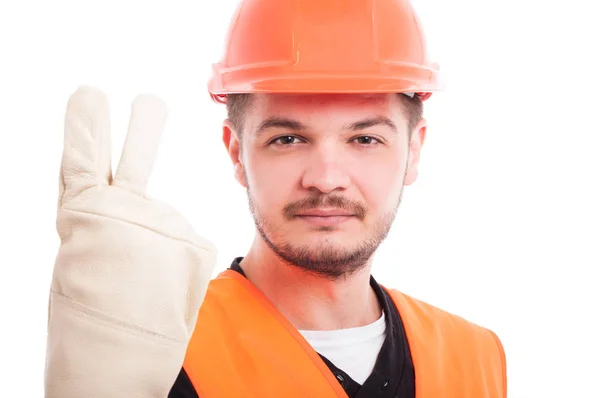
148,116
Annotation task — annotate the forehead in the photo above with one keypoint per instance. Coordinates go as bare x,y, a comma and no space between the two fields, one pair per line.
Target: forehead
328,105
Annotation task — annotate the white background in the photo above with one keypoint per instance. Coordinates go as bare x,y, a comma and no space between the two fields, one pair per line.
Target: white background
502,226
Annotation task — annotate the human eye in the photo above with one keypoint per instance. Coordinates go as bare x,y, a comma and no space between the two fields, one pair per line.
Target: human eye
285,140
367,140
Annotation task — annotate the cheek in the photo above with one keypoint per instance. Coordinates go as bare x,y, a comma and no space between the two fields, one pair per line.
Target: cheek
271,183
381,180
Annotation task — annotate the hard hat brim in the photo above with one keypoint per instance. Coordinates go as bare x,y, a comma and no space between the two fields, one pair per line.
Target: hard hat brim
223,84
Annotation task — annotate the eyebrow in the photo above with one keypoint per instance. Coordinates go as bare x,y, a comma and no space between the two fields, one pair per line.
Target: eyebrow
371,122
278,122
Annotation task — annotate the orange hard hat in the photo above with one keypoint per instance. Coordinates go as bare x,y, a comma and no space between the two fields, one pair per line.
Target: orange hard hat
324,46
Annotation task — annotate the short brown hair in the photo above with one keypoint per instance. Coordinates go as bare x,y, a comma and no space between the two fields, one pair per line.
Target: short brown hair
238,104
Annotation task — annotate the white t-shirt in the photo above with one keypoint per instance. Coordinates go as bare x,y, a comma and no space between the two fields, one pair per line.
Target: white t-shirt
352,350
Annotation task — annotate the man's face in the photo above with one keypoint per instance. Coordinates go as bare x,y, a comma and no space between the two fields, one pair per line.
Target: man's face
325,174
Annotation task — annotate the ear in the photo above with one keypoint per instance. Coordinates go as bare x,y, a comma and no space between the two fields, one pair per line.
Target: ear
414,152
231,140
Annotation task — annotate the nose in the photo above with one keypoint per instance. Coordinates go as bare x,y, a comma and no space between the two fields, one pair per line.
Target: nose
325,170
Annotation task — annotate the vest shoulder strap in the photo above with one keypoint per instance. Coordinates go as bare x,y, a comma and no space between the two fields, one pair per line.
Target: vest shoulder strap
243,347
452,356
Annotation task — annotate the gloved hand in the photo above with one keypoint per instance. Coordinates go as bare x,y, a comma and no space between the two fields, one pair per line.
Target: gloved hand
130,274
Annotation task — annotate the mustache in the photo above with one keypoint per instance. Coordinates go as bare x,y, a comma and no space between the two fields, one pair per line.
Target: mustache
330,201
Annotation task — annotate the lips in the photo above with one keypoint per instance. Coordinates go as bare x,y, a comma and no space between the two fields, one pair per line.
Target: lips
325,213
327,218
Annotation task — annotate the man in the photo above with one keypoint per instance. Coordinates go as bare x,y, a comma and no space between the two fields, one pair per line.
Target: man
324,130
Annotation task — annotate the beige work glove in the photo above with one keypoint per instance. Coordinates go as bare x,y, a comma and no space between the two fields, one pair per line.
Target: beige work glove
130,274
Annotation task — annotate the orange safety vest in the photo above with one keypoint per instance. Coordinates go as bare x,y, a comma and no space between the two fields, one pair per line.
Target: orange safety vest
244,347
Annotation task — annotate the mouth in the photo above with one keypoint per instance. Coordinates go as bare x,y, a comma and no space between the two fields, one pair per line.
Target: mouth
325,213
325,217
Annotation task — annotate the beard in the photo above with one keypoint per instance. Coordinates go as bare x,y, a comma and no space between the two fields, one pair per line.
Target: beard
325,259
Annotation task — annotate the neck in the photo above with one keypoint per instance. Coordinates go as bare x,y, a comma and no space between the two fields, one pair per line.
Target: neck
310,301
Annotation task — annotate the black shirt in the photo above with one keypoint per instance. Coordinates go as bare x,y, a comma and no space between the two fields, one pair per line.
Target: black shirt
392,377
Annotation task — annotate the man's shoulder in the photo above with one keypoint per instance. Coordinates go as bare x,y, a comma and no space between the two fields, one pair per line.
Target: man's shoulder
437,336
434,316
